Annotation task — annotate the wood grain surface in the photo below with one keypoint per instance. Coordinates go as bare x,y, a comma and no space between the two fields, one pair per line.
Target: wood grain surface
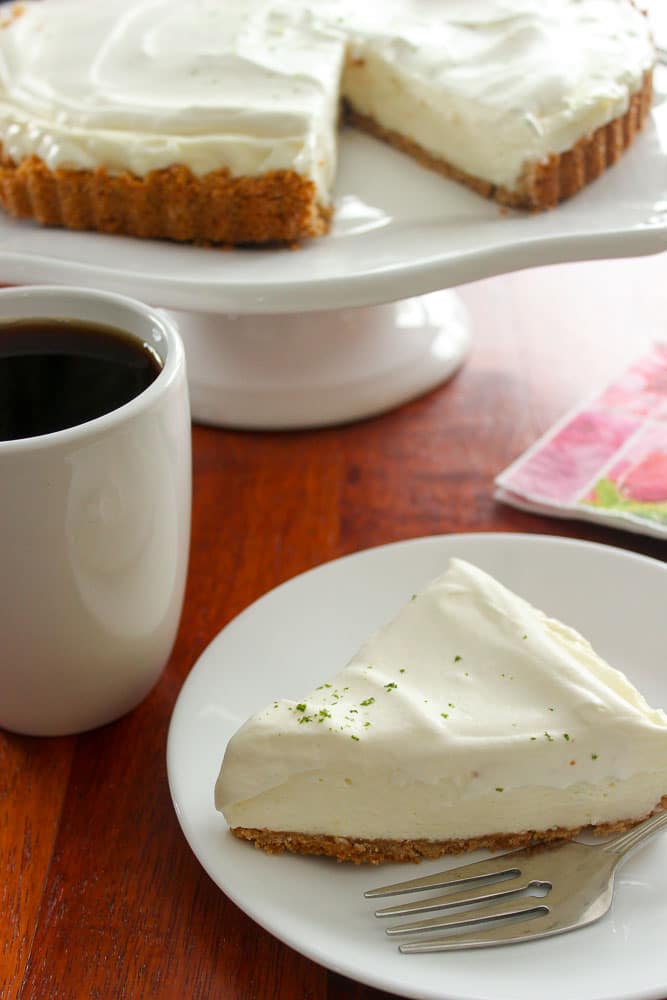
100,895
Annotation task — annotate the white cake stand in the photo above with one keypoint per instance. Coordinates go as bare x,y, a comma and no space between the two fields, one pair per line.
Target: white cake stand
360,321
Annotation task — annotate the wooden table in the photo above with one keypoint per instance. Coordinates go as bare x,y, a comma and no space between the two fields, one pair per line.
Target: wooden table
100,895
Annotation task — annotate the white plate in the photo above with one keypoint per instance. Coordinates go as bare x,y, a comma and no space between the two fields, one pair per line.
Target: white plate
400,230
303,632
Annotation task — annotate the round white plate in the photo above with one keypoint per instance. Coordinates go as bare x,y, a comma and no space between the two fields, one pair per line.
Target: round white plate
400,230
303,632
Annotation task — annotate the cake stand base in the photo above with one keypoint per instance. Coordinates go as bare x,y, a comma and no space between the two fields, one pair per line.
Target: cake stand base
315,369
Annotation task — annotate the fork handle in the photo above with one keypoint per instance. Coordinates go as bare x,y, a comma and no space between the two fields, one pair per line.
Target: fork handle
637,835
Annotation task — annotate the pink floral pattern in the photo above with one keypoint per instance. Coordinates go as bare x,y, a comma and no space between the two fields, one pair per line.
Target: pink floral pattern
646,481
609,455
565,464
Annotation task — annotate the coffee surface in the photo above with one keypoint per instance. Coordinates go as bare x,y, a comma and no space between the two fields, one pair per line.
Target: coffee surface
56,374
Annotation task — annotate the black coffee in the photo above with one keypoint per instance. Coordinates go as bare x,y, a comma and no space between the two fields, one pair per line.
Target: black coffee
56,374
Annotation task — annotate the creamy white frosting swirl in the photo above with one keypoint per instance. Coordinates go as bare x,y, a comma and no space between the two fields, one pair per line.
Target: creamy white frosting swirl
470,713
254,85
140,85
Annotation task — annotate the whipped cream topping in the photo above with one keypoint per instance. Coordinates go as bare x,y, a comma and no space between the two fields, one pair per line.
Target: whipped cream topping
140,85
472,712
254,85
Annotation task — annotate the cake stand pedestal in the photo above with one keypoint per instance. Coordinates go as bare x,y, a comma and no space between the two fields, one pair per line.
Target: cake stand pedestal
320,368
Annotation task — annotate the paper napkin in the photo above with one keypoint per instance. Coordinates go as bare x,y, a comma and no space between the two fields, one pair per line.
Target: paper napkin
606,460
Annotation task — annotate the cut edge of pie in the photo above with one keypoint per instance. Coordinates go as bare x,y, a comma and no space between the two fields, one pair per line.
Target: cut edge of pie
541,185
379,851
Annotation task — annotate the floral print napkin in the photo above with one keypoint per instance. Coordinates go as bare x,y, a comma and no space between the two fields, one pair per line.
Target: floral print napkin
606,460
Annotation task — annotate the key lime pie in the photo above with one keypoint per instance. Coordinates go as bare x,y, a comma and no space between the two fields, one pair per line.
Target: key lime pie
471,720
217,121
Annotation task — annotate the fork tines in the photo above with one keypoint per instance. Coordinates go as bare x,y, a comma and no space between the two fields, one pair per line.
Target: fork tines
497,883
500,892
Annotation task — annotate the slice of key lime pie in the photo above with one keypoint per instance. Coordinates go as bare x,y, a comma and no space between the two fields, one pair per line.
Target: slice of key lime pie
470,720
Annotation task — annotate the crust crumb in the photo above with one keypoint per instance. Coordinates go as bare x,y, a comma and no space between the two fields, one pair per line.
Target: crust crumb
15,11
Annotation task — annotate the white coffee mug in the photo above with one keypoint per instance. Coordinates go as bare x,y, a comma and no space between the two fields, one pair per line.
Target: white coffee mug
94,536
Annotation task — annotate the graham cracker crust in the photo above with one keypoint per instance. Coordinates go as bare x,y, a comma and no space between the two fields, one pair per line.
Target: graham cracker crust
174,204
541,185
377,852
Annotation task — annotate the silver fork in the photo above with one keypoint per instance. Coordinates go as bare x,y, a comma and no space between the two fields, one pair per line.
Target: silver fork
578,880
